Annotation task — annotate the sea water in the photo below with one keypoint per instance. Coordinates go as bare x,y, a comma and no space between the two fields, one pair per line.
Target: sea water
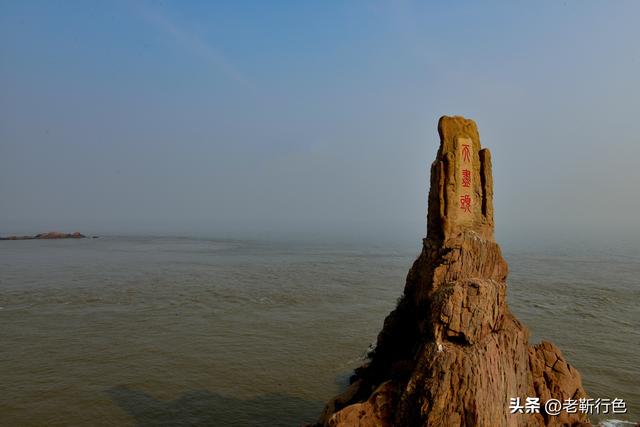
153,331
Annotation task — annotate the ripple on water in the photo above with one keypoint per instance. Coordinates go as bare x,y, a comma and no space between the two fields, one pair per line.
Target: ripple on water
137,330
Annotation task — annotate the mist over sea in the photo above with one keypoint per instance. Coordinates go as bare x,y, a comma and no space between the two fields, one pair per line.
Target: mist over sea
150,331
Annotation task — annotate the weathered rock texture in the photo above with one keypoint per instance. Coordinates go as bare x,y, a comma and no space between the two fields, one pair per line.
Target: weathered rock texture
451,353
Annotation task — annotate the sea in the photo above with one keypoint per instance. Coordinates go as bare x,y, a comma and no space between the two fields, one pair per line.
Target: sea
191,331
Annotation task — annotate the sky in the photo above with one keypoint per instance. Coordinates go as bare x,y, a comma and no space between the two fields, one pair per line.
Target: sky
249,119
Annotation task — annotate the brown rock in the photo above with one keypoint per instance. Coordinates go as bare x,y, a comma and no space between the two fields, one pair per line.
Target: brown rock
58,235
49,235
377,411
451,353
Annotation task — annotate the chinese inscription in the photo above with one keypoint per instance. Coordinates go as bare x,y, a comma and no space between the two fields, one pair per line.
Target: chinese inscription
465,203
464,177
466,152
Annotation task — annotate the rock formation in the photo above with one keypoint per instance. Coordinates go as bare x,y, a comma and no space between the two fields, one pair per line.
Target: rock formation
451,353
49,235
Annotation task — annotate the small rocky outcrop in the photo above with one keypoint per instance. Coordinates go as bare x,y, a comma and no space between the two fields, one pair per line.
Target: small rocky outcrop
49,235
451,353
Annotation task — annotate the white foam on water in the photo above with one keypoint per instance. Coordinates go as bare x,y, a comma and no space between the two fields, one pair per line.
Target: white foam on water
615,423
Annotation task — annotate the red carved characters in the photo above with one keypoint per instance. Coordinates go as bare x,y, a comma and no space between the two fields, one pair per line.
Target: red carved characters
466,153
465,203
466,178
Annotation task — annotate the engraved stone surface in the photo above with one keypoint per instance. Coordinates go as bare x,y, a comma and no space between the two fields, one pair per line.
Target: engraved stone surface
460,198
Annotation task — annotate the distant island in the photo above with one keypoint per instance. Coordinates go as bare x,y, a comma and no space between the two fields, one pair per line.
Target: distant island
49,235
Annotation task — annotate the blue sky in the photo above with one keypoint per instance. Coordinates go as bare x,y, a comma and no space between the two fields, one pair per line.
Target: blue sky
254,118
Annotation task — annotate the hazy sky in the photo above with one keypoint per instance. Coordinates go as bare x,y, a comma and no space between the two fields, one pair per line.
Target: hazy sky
260,117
